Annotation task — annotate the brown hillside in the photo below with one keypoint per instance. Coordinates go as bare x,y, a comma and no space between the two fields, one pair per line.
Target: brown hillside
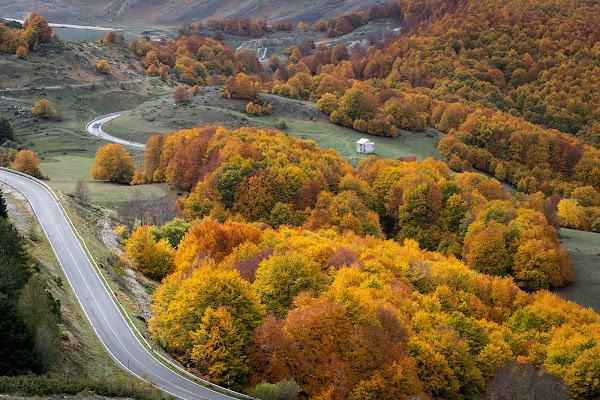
176,12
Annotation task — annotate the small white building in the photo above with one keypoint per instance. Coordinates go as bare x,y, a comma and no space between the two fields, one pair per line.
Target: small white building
365,146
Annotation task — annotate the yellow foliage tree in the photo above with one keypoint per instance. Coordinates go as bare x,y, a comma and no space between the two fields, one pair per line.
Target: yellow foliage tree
571,214
44,109
153,259
218,349
22,52
112,163
180,304
103,67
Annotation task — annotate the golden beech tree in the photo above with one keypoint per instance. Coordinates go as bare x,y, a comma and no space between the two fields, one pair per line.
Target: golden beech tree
487,250
21,52
27,162
218,349
113,163
153,259
571,214
180,304
44,109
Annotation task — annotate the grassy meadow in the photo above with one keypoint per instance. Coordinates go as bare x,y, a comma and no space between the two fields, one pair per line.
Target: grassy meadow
584,251
304,121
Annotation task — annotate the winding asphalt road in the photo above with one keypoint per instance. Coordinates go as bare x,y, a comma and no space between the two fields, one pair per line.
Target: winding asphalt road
95,297
95,128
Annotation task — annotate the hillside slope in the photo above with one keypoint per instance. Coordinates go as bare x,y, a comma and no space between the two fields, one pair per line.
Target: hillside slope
182,11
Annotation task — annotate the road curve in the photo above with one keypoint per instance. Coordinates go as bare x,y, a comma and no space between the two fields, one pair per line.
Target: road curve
95,128
94,297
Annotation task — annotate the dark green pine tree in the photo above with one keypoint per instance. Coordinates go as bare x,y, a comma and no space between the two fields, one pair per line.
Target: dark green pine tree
7,131
15,261
3,210
16,346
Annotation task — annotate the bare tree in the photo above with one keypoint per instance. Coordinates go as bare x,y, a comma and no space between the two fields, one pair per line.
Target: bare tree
524,381
146,211
82,193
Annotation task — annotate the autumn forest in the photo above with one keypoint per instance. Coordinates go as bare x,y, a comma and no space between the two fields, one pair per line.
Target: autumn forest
291,273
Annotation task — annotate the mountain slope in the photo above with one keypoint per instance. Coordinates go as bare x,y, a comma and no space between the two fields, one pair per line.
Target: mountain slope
177,12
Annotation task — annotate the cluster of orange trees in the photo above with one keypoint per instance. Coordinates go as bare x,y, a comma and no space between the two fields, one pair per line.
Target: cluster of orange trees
241,27
34,31
513,84
195,60
248,87
349,317
533,159
111,37
263,176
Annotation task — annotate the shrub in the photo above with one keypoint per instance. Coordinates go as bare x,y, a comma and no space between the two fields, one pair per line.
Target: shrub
253,109
103,67
196,90
21,52
281,124
265,391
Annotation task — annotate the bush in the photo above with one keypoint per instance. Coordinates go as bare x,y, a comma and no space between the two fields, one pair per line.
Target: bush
265,391
281,124
196,90
119,386
103,67
253,109
283,390
21,52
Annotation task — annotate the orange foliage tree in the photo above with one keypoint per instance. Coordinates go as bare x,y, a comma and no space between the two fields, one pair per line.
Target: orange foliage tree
112,163
111,37
181,95
27,162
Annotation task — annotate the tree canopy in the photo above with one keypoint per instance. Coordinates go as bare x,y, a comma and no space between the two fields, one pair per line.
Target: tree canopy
113,163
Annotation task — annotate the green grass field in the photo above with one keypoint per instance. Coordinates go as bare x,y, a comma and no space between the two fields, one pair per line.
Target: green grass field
584,251
66,150
160,116
65,171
